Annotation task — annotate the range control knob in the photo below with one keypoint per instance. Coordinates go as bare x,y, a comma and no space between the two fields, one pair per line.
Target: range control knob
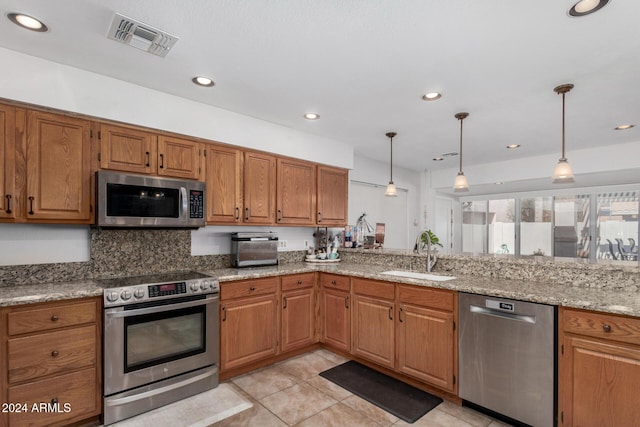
125,295
138,293
194,286
112,296
204,285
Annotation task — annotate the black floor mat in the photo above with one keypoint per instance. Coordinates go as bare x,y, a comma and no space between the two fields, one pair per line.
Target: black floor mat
400,399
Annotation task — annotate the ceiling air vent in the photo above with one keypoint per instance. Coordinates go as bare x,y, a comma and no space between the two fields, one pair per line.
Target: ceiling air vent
140,35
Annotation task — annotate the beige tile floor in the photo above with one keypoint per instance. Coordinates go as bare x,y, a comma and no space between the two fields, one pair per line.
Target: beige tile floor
291,393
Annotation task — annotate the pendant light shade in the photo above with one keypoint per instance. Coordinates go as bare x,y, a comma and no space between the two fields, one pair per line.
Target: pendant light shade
392,191
563,173
460,184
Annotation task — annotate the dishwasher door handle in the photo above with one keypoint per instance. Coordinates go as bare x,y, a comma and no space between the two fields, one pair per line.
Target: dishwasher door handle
497,313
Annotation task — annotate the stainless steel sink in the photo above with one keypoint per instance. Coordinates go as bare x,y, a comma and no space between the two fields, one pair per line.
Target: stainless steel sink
416,275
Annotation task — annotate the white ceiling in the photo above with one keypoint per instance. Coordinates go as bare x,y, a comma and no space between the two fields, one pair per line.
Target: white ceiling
364,65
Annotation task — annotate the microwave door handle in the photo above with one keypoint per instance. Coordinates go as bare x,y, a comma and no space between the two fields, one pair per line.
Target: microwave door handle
184,203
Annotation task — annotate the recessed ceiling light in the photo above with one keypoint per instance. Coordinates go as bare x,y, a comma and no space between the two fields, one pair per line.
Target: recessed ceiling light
624,127
203,81
431,96
438,159
513,146
585,7
311,116
499,183
28,22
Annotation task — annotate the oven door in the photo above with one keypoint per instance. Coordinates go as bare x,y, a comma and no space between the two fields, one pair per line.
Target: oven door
148,342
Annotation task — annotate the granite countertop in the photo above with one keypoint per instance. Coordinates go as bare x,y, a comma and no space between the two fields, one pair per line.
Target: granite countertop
618,301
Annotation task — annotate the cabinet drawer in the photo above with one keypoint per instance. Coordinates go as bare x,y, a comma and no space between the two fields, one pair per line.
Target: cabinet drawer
246,288
40,355
52,316
298,281
427,297
335,281
75,395
600,325
374,288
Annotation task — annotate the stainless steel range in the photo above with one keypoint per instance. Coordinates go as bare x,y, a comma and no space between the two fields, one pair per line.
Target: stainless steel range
160,340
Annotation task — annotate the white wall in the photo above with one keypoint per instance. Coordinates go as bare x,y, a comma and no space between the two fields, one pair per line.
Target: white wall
216,240
374,172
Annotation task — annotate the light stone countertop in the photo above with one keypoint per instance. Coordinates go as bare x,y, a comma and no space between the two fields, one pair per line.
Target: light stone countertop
618,301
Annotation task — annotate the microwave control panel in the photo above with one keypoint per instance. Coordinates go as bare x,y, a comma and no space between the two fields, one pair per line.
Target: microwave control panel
196,204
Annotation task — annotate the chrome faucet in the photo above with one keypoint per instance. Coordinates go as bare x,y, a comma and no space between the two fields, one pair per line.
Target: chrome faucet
422,239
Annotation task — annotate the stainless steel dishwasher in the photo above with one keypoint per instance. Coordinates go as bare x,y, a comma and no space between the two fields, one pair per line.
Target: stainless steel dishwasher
507,358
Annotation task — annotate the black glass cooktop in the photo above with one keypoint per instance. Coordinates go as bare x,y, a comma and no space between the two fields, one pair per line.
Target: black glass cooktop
149,279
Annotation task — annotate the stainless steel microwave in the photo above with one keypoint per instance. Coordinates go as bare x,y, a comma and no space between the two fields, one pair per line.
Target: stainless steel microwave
128,200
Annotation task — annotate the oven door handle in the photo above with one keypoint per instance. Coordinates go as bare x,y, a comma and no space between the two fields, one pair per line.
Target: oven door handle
120,312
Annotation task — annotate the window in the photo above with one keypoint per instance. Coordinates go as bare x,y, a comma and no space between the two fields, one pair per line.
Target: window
571,226
474,226
617,226
502,222
536,227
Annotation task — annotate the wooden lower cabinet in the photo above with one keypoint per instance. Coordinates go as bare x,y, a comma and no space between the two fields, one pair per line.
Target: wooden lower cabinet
336,311
51,367
599,369
426,337
248,322
298,311
373,322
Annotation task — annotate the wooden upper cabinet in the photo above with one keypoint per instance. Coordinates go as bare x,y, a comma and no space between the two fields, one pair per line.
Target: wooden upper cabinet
58,161
179,158
126,149
7,162
259,188
333,191
224,184
296,192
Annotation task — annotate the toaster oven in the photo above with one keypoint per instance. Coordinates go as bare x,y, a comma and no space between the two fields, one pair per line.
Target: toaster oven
254,249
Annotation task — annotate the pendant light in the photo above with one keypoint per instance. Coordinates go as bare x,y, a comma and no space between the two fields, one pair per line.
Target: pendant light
391,188
563,173
461,184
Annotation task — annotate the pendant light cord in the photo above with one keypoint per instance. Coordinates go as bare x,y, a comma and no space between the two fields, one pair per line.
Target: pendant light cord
461,145
391,162
563,157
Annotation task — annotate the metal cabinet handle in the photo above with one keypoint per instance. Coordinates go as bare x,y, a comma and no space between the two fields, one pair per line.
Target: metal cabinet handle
161,161
148,159
319,216
237,213
299,282
224,314
400,316
346,301
8,196
390,313
246,214
55,353
54,318
279,215
606,328
333,282
252,289
31,199
284,302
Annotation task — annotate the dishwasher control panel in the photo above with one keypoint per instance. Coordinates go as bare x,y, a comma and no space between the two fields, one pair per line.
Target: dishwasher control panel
500,305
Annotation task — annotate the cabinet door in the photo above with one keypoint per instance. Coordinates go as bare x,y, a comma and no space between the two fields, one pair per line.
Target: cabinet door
58,168
373,329
224,184
426,345
333,189
248,330
7,162
179,158
298,314
599,383
335,314
259,188
128,150
296,192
